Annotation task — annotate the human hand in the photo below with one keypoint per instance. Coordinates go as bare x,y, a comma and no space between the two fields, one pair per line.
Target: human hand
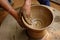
27,8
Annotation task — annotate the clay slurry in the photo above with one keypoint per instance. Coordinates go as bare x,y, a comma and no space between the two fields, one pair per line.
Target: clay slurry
36,24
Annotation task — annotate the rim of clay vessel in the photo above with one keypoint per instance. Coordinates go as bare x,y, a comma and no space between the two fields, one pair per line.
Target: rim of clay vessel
29,26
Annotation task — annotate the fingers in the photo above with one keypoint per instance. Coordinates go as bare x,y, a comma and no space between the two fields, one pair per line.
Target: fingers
27,8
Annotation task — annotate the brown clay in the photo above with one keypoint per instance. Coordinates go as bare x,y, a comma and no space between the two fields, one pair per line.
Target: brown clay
36,34
40,13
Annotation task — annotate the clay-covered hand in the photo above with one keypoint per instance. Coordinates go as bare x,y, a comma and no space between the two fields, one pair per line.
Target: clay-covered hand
26,8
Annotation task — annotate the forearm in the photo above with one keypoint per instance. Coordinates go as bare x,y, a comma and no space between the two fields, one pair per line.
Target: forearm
5,4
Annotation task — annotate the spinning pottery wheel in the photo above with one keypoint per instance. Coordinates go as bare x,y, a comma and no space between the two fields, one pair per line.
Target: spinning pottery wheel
10,30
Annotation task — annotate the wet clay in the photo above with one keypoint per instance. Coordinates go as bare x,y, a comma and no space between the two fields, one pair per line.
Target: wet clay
40,17
36,24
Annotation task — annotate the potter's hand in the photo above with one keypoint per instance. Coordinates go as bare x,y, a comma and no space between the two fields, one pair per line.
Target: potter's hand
26,8
5,4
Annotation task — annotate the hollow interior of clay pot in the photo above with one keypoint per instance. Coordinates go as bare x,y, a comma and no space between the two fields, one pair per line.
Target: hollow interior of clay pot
41,17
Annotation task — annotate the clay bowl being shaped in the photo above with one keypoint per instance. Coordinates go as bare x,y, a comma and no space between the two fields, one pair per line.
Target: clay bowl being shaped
41,18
